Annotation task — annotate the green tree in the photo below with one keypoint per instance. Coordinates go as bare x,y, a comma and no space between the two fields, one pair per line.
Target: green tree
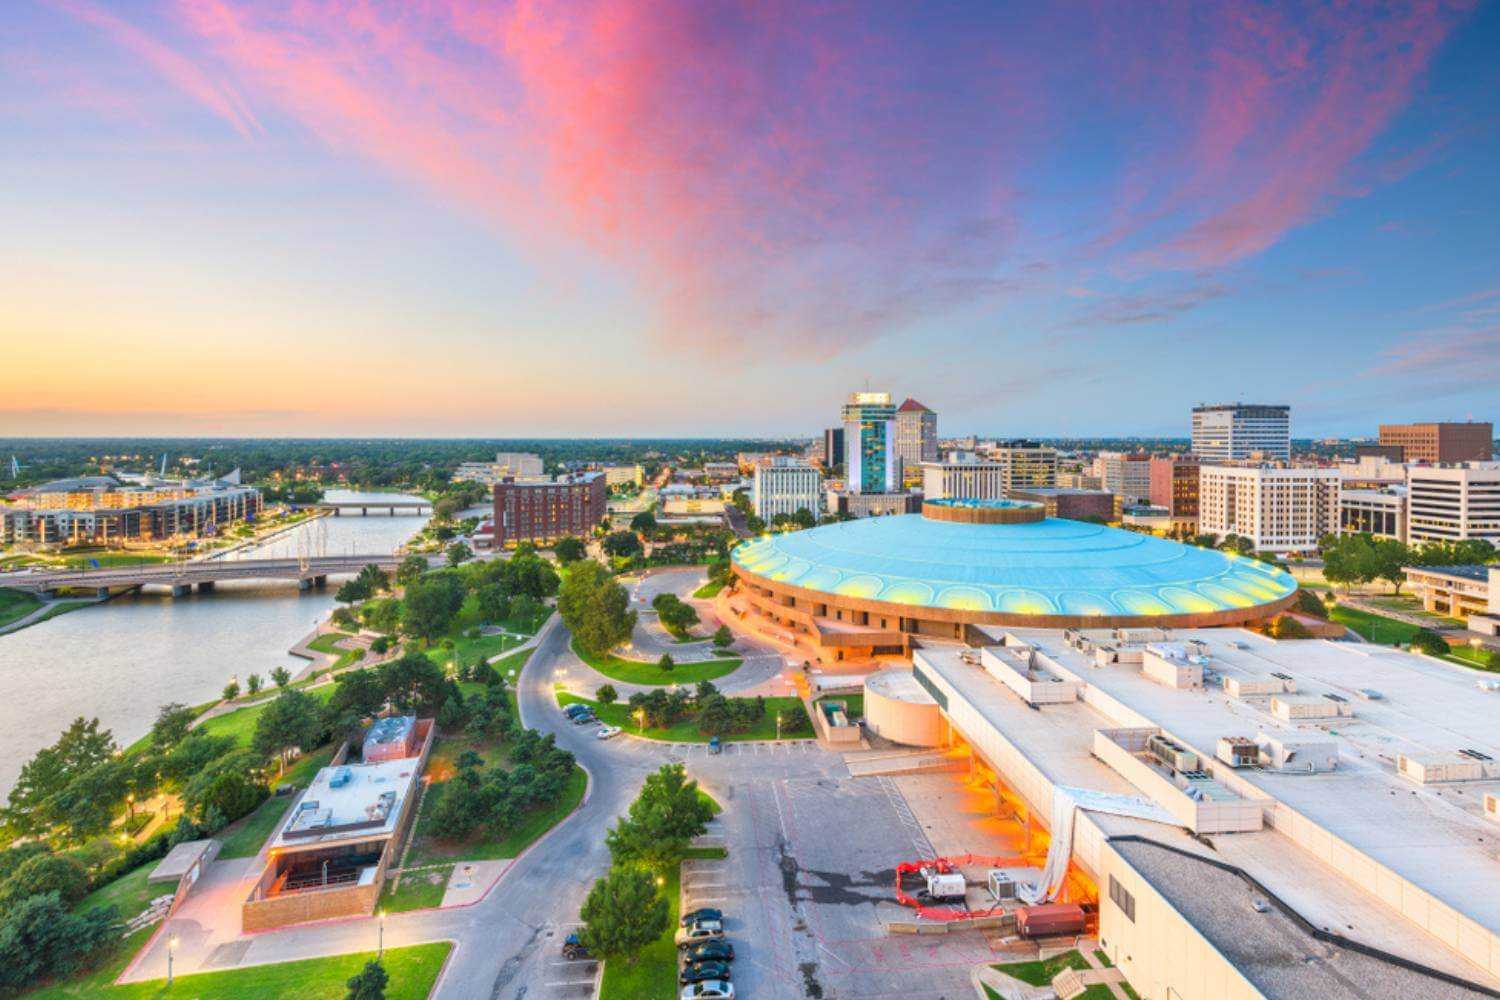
1429,642
172,724
666,663
461,808
231,690
411,569
1287,627
623,913
644,522
431,603
1309,603
282,676
252,683
493,602
41,939
662,821
413,683
369,983
374,578
82,746
622,543
292,720
358,691
458,553
227,789
1388,557
569,550
595,608
723,638
88,804
607,695
42,874
353,591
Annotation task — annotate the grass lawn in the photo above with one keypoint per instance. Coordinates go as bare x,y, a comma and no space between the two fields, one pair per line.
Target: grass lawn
654,971
62,608
708,590
243,838
1471,657
112,559
241,722
854,704
642,672
96,983
419,890
1041,973
16,604
413,972
686,731
426,849
1375,628
128,894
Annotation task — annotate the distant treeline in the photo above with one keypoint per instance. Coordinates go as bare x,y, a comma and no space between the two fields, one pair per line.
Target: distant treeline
410,462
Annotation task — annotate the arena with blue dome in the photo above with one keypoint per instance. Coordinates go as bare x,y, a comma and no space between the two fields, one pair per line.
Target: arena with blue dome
872,583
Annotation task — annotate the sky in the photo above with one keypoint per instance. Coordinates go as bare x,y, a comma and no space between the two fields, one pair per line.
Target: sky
698,218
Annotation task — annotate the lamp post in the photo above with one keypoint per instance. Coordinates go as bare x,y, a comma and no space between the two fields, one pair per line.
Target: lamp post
171,947
380,947
640,720
778,725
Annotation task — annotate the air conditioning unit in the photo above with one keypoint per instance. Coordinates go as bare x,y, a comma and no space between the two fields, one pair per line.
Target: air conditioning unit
1177,757
1001,884
1238,751
1492,806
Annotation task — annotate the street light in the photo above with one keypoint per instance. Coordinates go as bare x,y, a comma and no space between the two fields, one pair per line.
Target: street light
778,725
171,947
380,948
640,720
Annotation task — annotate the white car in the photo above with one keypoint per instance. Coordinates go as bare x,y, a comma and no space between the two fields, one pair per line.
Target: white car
713,989
699,931
607,732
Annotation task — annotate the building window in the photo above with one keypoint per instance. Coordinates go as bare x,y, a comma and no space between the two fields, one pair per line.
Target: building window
1124,900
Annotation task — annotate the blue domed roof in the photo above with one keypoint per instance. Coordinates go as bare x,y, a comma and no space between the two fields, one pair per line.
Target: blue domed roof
1049,567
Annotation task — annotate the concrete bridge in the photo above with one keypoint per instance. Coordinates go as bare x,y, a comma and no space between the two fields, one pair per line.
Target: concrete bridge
182,577
339,507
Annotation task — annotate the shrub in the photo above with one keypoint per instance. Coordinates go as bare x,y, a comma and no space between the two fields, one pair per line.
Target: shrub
54,873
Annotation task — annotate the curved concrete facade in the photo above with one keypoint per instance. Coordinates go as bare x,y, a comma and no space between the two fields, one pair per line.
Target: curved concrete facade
899,709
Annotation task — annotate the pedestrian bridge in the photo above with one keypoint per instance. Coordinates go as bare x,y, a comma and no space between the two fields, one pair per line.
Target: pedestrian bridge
181,577
416,505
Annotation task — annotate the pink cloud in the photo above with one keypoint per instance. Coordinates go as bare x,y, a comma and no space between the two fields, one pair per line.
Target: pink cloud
176,68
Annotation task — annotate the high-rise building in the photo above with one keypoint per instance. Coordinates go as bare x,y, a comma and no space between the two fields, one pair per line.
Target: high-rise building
871,464
1278,509
963,475
1467,442
833,447
1238,432
1174,487
784,486
1025,465
1448,503
916,438
1125,474
544,511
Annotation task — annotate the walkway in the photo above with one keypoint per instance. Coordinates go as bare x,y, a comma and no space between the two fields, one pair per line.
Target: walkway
42,612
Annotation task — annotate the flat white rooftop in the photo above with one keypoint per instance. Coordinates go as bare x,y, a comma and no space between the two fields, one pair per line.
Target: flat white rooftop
349,802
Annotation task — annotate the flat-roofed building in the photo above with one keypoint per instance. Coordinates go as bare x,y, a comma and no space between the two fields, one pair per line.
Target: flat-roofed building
1441,442
1125,474
1279,509
1378,512
1174,487
1456,591
1449,503
1077,505
871,462
624,475
916,439
517,465
963,475
833,447
1239,432
1025,465
784,486
549,509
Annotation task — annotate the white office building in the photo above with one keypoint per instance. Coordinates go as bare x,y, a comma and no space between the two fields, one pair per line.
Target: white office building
1237,432
1125,474
1278,509
963,475
784,486
518,465
1376,511
1025,465
1449,503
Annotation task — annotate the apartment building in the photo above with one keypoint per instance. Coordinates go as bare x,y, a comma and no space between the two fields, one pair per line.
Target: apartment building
1174,488
916,439
1279,509
1237,432
1125,474
550,509
963,475
1448,503
1440,442
1025,465
784,486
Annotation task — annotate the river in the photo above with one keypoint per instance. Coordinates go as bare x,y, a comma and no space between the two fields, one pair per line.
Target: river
125,658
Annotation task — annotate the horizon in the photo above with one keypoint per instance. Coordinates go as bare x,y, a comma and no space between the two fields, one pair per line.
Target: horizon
273,219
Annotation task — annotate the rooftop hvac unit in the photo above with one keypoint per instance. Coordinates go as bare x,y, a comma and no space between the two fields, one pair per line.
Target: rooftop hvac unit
1492,806
1002,885
1238,751
340,777
1370,694
1178,758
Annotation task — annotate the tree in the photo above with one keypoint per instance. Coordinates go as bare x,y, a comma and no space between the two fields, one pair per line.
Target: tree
431,603
666,663
282,676
1388,558
622,543
461,807
87,805
411,569
662,821
1288,627
1429,642
413,683
292,720
723,638
569,550
644,522
172,724
458,553
252,683
40,938
231,690
226,789
193,755
595,608
81,746
353,591
42,874
607,695
1309,603
623,913
493,602
369,983
375,578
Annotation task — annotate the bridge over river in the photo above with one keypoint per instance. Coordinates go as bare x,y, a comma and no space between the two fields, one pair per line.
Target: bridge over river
182,577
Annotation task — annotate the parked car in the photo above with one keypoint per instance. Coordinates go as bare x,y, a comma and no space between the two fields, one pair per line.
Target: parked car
573,948
584,719
607,732
574,710
714,746
713,990
698,932
717,950
701,913
703,972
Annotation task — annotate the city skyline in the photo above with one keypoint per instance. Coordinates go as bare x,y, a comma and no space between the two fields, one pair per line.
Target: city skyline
591,220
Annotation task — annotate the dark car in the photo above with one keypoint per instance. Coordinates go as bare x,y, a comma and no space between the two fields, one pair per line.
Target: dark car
573,948
711,951
701,972
584,719
701,913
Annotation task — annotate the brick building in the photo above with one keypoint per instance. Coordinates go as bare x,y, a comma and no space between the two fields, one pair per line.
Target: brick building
1467,442
549,510
1174,487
